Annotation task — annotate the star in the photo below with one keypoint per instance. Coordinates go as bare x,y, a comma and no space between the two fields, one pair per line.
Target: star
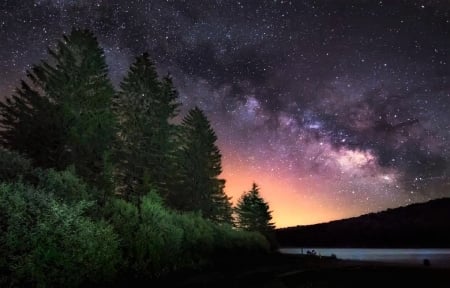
334,108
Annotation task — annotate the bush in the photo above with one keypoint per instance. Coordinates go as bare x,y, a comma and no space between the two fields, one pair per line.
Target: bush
64,185
47,243
156,240
230,241
151,241
124,218
159,238
197,243
13,166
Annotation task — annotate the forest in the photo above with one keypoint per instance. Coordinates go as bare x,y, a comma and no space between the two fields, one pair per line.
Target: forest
100,183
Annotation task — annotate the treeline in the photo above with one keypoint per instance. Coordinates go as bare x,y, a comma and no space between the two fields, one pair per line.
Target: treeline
95,180
422,225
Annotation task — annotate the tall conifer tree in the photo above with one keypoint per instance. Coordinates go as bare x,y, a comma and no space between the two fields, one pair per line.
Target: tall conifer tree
253,212
145,145
63,115
28,125
201,189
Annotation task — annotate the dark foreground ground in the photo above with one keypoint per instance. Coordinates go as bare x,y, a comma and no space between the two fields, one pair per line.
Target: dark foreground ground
289,271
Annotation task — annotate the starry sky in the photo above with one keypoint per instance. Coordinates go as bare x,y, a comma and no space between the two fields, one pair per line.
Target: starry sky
335,108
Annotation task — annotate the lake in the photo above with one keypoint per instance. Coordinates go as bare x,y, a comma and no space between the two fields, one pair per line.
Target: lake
437,257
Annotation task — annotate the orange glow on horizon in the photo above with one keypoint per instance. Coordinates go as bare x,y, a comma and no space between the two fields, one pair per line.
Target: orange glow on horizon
291,204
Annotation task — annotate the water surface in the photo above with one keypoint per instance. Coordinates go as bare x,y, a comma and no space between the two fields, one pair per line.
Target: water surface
437,257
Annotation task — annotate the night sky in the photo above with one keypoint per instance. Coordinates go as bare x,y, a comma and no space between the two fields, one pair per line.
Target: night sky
335,108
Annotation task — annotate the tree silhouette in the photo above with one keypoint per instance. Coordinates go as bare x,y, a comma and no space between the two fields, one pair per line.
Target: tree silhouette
145,144
253,212
63,116
33,125
200,166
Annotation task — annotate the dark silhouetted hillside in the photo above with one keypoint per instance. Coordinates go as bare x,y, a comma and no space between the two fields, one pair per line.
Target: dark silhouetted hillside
417,225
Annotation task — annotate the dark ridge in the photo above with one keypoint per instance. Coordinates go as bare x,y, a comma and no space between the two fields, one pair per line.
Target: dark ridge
414,226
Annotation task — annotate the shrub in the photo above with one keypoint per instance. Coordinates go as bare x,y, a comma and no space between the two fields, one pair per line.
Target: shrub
151,241
47,243
124,218
70,249
197,243
159,239
156,240
13,166
64,185
230,241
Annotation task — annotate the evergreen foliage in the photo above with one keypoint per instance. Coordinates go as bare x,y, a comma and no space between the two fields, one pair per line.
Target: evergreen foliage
63,116
253,212
200,188
65,138
13,166
163,241
145,144
64,185
45,242
152,241
32,124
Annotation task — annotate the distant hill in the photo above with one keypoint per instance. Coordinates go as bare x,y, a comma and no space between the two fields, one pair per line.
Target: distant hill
417,225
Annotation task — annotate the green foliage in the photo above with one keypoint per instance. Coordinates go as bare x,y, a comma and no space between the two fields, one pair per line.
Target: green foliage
64,185
160,253
63,116
13,166
70,249
197,244
229,240
33,124
200,189
81,86
87,145
151,240
145,144
45,242
124,218
253,212
156,240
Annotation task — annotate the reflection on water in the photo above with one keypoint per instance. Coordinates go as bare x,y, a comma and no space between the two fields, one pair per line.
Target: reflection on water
437,257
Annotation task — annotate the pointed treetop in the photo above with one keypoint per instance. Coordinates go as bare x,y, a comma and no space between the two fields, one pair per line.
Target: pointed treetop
142,76
253,212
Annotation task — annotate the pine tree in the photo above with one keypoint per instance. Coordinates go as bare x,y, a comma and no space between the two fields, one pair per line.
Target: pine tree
200,166
145,145
63,116
87,101
222,211
253,212
32,125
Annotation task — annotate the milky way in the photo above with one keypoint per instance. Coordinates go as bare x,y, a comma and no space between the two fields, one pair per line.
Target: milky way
336,108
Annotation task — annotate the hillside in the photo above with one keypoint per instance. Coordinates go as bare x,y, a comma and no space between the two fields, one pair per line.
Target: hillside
417,225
